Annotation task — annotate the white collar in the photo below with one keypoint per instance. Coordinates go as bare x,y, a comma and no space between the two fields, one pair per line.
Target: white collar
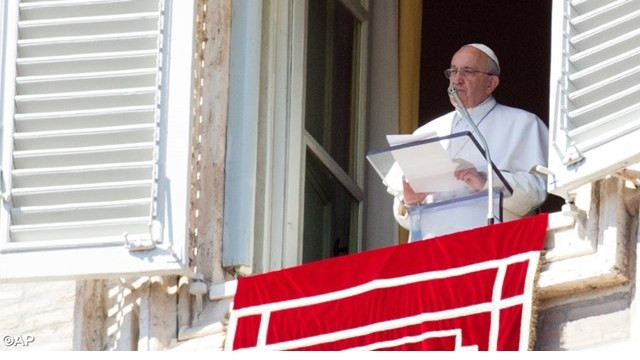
482,109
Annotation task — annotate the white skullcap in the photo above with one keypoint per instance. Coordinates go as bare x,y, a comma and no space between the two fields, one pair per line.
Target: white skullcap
485,49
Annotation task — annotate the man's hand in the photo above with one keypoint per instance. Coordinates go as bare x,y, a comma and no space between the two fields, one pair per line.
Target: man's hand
411,197
467,172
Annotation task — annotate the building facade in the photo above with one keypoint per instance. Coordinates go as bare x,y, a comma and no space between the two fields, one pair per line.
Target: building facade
155,150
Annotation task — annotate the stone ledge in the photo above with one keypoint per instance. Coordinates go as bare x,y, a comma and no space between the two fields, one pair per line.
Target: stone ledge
591,252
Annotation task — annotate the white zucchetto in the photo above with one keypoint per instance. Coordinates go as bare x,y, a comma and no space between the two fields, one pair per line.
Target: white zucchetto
485,49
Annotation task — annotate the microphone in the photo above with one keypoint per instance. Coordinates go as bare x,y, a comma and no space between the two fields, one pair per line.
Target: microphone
453,92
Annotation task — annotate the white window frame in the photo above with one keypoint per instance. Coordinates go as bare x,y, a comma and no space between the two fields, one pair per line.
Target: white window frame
282,112
107,260
352,183
284,142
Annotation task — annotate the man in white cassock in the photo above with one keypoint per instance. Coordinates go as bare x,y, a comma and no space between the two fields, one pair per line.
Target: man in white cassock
517,141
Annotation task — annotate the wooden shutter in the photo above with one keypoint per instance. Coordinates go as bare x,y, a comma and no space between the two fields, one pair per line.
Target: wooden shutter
88,162
86,115
595,90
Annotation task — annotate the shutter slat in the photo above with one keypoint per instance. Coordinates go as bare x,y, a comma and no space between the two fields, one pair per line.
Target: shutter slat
83,44
88,75
608,69
21,119
79,193
30,215
615,84
57,29
615,28
87,84
603,51
78,206
86,19
94,62
83,155
111,228
63,9
83,131
83,94
605,106
118,222
120,185
54,59
74,151
71,175
584,6
87,81
602,15
85,137
85,100
609,127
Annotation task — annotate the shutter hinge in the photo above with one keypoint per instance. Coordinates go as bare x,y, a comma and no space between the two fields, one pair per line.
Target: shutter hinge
572,156
145,242
544,171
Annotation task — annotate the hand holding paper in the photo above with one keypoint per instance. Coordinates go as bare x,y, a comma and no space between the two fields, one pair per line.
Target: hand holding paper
470,175
426,167
410,196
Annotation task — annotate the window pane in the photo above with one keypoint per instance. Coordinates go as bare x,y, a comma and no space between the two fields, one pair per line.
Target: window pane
329,99
328,224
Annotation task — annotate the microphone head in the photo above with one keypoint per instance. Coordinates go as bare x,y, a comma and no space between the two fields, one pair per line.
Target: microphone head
452,90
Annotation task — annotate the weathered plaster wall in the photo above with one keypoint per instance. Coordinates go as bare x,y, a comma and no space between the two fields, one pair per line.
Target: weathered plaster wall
589,299
41,311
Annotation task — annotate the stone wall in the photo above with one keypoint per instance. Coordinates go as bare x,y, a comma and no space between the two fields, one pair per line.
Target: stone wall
37,316
589,321
596,306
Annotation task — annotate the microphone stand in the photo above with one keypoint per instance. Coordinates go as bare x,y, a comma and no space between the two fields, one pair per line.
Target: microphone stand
453,92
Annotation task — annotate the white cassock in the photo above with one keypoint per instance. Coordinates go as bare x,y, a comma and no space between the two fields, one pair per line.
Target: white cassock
518,142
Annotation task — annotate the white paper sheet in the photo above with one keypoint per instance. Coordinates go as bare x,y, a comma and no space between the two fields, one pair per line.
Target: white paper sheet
427,167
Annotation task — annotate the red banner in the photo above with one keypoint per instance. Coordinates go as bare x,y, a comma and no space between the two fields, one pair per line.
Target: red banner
470,290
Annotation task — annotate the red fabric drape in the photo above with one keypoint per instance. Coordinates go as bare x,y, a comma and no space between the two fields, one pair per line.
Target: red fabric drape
470,289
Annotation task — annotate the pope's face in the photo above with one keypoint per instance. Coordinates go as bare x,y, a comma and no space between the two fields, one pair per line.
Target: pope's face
474,89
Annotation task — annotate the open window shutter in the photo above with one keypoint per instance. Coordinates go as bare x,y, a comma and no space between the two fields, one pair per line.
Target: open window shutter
84,161
595,90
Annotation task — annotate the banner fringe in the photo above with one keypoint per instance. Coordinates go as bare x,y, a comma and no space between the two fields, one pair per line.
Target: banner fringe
534,303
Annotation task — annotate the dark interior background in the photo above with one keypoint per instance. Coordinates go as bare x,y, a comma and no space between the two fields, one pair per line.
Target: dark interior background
519,32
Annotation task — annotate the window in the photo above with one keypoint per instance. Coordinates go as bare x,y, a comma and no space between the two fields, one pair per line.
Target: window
310,153
91,178
334,130
595,87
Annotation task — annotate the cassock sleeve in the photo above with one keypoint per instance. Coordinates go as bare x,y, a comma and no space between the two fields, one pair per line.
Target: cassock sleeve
527,147
529,191
400,213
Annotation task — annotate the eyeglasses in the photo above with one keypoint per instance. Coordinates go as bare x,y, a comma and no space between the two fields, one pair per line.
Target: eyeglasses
466,73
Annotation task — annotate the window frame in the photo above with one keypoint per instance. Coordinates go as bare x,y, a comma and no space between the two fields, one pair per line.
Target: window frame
353,183
282,143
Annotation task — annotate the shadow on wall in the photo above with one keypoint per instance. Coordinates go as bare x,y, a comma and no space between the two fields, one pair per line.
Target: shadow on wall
581,324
